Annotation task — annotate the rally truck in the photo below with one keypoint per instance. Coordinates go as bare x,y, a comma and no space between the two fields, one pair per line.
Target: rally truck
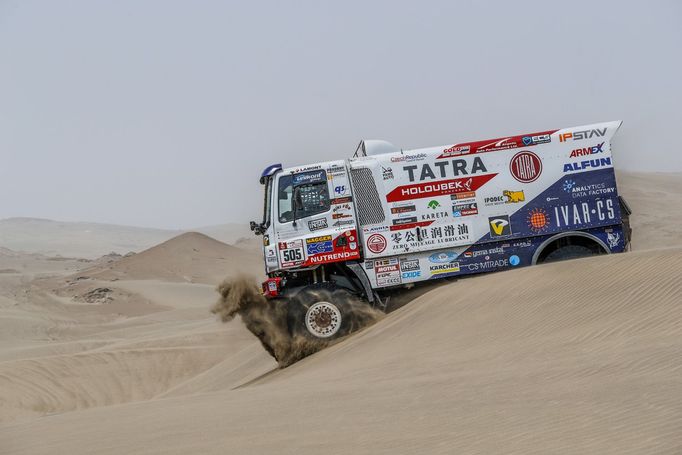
387,219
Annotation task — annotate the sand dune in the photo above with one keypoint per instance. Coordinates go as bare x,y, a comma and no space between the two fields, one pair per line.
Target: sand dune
189,257
91,240
526,362
575,357
152,334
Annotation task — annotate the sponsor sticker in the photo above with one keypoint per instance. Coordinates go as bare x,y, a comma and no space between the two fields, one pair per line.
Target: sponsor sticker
440,188
438,269
315,225
538,220
387,173
465,209
305,178
408,265
580,135
291,253
341,200
318,245
387,272
499,226
587,164
403,209
587,151
525,167
464,195
376,243
584,213
443,256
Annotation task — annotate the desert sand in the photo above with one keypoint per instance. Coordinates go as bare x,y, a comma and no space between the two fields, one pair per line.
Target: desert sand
123,356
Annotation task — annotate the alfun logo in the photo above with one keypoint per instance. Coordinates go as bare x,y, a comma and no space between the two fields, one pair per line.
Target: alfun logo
499,226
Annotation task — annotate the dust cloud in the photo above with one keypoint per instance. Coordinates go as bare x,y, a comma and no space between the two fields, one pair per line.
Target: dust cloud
267,319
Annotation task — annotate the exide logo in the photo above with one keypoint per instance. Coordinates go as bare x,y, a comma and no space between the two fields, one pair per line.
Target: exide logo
587,151
579,135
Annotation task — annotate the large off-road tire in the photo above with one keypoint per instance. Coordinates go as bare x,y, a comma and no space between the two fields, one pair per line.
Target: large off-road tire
325,312
569,252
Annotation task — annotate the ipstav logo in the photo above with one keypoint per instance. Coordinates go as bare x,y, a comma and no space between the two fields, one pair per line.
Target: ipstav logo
579,135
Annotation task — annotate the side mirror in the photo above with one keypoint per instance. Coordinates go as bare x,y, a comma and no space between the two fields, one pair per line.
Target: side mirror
256,228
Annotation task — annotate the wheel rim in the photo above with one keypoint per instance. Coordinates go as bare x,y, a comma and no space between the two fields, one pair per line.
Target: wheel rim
323,319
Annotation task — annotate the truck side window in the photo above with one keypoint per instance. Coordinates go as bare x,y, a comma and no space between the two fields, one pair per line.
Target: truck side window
313,199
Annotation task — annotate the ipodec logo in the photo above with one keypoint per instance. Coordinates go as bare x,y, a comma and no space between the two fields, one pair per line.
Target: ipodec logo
579,135
587,151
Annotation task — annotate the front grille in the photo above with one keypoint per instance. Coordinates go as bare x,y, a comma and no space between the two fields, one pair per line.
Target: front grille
366,197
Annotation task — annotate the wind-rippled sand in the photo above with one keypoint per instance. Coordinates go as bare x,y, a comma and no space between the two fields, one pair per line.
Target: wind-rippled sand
575,357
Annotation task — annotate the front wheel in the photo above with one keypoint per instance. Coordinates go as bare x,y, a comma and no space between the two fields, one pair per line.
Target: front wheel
325,312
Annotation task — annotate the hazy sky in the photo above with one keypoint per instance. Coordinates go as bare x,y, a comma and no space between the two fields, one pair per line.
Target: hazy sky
163,113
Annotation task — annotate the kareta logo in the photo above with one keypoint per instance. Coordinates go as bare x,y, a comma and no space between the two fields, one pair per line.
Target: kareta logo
499,226
587,151
433,204
579,135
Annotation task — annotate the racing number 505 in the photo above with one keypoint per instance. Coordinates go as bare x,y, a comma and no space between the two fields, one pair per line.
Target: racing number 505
292,255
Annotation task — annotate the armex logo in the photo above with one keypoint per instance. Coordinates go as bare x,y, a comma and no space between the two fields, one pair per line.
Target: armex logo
587,151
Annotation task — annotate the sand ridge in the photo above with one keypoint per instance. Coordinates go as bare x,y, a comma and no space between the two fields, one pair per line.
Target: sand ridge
575,357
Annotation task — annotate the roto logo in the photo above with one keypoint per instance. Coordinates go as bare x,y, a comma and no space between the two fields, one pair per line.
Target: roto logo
376,243
525,166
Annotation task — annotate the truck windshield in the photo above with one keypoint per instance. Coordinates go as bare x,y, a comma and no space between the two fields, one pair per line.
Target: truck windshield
314,198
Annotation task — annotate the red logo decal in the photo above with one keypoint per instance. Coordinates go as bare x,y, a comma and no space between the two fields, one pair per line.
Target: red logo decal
438,188
376,243
525,166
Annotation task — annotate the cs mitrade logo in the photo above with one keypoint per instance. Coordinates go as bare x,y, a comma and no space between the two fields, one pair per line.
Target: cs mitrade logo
499,226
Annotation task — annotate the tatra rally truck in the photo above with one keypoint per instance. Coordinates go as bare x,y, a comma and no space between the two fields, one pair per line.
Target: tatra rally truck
387,219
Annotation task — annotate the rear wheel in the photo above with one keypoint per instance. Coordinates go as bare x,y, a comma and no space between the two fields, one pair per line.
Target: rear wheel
569,252
326,312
